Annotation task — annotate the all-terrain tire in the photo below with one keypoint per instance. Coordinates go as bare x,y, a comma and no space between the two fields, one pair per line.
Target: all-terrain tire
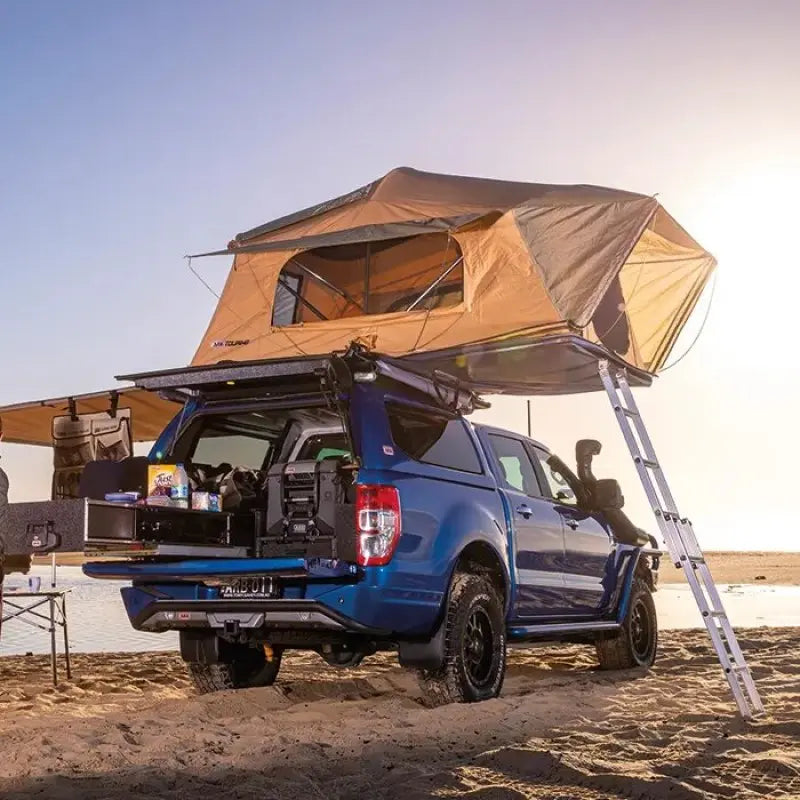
637,641
474,647
244,667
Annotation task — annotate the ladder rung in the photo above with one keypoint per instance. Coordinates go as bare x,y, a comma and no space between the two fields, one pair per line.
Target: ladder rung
669,516
717,614
648,462
738,668
628,412
693,559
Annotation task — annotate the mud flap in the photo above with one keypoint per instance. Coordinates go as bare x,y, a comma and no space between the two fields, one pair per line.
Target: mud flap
200,647
428,655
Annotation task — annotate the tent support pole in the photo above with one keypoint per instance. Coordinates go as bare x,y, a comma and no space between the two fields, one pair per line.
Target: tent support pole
327,284
312,308
436,282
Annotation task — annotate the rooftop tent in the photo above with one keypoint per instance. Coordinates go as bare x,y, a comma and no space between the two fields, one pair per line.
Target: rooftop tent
32,422
514,286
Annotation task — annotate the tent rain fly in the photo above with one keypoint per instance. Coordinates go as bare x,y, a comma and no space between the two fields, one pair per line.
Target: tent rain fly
418,263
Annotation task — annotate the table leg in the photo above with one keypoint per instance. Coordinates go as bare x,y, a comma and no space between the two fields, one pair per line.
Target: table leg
66,637
52,605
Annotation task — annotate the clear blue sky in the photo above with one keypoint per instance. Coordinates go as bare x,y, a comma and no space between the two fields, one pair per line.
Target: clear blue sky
132,133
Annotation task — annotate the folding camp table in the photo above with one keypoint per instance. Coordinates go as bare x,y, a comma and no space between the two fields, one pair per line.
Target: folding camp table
32,613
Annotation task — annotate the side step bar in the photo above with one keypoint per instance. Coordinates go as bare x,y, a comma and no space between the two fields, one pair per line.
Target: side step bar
522,633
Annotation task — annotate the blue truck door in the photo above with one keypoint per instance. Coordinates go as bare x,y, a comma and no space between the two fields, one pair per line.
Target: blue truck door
587,547
537,538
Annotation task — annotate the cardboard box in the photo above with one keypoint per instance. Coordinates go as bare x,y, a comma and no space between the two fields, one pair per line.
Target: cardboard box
160,478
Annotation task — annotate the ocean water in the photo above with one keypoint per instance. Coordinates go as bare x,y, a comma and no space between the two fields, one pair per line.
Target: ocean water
98,623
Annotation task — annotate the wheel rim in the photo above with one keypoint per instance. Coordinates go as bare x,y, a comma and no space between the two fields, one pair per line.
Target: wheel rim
641,629
479,648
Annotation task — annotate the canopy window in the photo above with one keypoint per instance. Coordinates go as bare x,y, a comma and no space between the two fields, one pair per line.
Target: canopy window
415,273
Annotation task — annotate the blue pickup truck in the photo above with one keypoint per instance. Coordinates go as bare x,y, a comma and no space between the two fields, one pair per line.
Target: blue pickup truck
364,512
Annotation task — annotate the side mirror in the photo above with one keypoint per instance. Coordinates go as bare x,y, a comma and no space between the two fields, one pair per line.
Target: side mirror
565,496
607,494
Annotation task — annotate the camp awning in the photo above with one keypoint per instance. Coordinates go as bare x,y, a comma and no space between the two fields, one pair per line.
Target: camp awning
417,263
32,422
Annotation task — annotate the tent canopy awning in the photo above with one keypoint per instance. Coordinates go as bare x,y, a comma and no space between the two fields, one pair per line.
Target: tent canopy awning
419,262
32,422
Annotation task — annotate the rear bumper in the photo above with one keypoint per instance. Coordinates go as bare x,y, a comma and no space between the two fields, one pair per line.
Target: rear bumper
315,594
231,616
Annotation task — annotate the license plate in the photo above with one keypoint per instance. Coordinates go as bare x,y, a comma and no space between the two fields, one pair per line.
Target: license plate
248,588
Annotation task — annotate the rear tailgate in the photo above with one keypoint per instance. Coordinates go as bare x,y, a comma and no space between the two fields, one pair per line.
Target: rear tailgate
231,595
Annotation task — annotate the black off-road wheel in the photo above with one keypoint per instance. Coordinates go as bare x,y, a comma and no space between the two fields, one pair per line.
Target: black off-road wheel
474,648
636,643
241,667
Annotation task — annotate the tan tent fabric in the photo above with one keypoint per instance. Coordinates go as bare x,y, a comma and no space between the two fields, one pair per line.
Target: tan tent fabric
608,265
32,423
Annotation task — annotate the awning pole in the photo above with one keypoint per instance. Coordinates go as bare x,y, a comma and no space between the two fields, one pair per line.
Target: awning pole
435,283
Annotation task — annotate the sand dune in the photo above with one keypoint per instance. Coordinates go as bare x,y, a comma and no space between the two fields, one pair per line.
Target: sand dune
130,726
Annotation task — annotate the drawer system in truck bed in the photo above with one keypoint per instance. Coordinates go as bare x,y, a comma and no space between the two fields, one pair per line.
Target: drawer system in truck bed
101,528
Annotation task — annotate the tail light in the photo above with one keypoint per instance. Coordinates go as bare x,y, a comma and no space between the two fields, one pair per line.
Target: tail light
377,523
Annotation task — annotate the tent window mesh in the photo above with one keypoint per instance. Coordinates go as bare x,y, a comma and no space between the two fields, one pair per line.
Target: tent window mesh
417,273
285,307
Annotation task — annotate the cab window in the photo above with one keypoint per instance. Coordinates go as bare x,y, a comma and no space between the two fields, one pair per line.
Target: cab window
241,439
515,465
218,446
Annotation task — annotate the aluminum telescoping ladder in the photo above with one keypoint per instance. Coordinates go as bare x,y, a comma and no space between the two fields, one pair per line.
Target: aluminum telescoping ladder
681,542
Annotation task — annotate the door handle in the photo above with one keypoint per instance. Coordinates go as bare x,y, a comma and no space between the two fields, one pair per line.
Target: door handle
572,523
525,511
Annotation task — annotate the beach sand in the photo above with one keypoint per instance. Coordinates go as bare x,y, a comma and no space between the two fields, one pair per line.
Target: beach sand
131,726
